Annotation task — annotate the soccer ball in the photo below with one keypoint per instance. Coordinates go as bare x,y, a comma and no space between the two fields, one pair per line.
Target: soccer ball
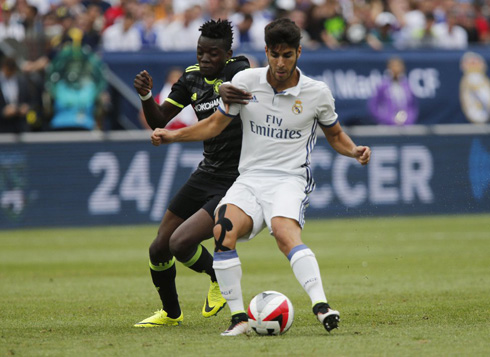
270,313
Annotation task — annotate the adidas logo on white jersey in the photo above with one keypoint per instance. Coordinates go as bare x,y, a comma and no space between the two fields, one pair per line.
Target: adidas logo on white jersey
254,100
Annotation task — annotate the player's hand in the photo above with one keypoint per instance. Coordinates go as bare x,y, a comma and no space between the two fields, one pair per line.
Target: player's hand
362,154
231,94
162,136
143,83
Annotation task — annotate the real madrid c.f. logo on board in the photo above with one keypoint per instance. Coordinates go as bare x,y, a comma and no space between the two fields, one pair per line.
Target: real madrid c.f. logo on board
297,107
474,88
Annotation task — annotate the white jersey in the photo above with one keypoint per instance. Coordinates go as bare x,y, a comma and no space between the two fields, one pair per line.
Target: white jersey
279,129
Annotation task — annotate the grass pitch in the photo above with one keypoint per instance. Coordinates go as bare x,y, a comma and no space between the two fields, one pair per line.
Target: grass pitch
403,286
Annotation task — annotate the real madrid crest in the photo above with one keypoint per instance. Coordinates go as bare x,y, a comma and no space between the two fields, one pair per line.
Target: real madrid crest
474,89
216,85
297,107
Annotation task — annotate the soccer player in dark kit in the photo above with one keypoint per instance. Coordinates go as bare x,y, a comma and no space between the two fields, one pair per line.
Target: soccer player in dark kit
189,218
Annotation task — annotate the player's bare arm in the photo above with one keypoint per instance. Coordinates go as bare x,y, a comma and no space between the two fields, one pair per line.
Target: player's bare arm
203,130
344,145
157,116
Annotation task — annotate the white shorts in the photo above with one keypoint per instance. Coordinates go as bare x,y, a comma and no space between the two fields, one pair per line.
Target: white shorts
264,197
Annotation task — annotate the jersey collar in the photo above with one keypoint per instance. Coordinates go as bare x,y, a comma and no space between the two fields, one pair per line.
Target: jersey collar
294,91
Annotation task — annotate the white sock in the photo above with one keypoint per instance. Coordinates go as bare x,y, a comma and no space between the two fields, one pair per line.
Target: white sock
228,269
306,270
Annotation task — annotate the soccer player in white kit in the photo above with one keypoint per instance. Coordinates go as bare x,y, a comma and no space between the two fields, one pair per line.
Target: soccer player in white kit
279,133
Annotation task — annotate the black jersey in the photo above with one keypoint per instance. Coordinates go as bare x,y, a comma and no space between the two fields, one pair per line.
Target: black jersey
221,153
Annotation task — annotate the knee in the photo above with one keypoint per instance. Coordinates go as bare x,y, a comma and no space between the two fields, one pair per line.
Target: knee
286,239
178,245
225,234
154,251
217,229
158,250
224,239
222,232
283,245
281,233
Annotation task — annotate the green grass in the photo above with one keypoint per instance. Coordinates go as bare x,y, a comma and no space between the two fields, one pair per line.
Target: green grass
404,287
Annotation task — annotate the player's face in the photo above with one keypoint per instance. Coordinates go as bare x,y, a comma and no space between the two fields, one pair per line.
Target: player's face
211,56
282,65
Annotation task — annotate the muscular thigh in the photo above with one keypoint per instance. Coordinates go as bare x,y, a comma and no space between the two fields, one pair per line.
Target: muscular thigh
242,196
189,217
195,203
201,191
190,233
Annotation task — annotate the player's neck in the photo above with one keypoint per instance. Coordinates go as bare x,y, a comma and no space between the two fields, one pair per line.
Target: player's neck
280,86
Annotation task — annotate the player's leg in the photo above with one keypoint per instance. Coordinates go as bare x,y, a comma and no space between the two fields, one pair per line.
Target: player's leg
284,207
185,243
303,262
162,262
208,190
287,232
231,224
163,272
185,246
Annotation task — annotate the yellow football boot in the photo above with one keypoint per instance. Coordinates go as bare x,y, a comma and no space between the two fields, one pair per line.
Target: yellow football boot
214,301
160,319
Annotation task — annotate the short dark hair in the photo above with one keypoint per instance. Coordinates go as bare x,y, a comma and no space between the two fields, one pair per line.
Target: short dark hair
282,31
220,30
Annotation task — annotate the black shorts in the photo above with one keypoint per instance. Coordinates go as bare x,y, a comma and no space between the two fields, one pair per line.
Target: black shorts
202,190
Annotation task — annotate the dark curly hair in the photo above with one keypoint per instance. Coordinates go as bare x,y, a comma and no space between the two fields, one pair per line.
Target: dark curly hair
282,31
220,29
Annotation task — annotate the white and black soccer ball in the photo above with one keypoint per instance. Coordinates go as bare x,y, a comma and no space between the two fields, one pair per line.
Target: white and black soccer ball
270,313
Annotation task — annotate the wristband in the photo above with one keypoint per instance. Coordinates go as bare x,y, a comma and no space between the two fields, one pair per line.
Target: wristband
145,97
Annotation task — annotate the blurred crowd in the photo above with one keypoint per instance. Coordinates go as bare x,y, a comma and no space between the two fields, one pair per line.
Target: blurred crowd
130,25
35,35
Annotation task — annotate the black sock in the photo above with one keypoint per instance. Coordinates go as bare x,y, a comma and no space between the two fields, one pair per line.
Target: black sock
163,276
201,261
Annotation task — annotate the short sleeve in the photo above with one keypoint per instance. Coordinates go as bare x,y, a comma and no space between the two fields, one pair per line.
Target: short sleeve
233,111
239,82
325,110
235,65
179,95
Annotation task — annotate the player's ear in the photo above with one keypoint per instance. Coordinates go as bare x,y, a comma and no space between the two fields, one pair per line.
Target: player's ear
229,54
299,51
